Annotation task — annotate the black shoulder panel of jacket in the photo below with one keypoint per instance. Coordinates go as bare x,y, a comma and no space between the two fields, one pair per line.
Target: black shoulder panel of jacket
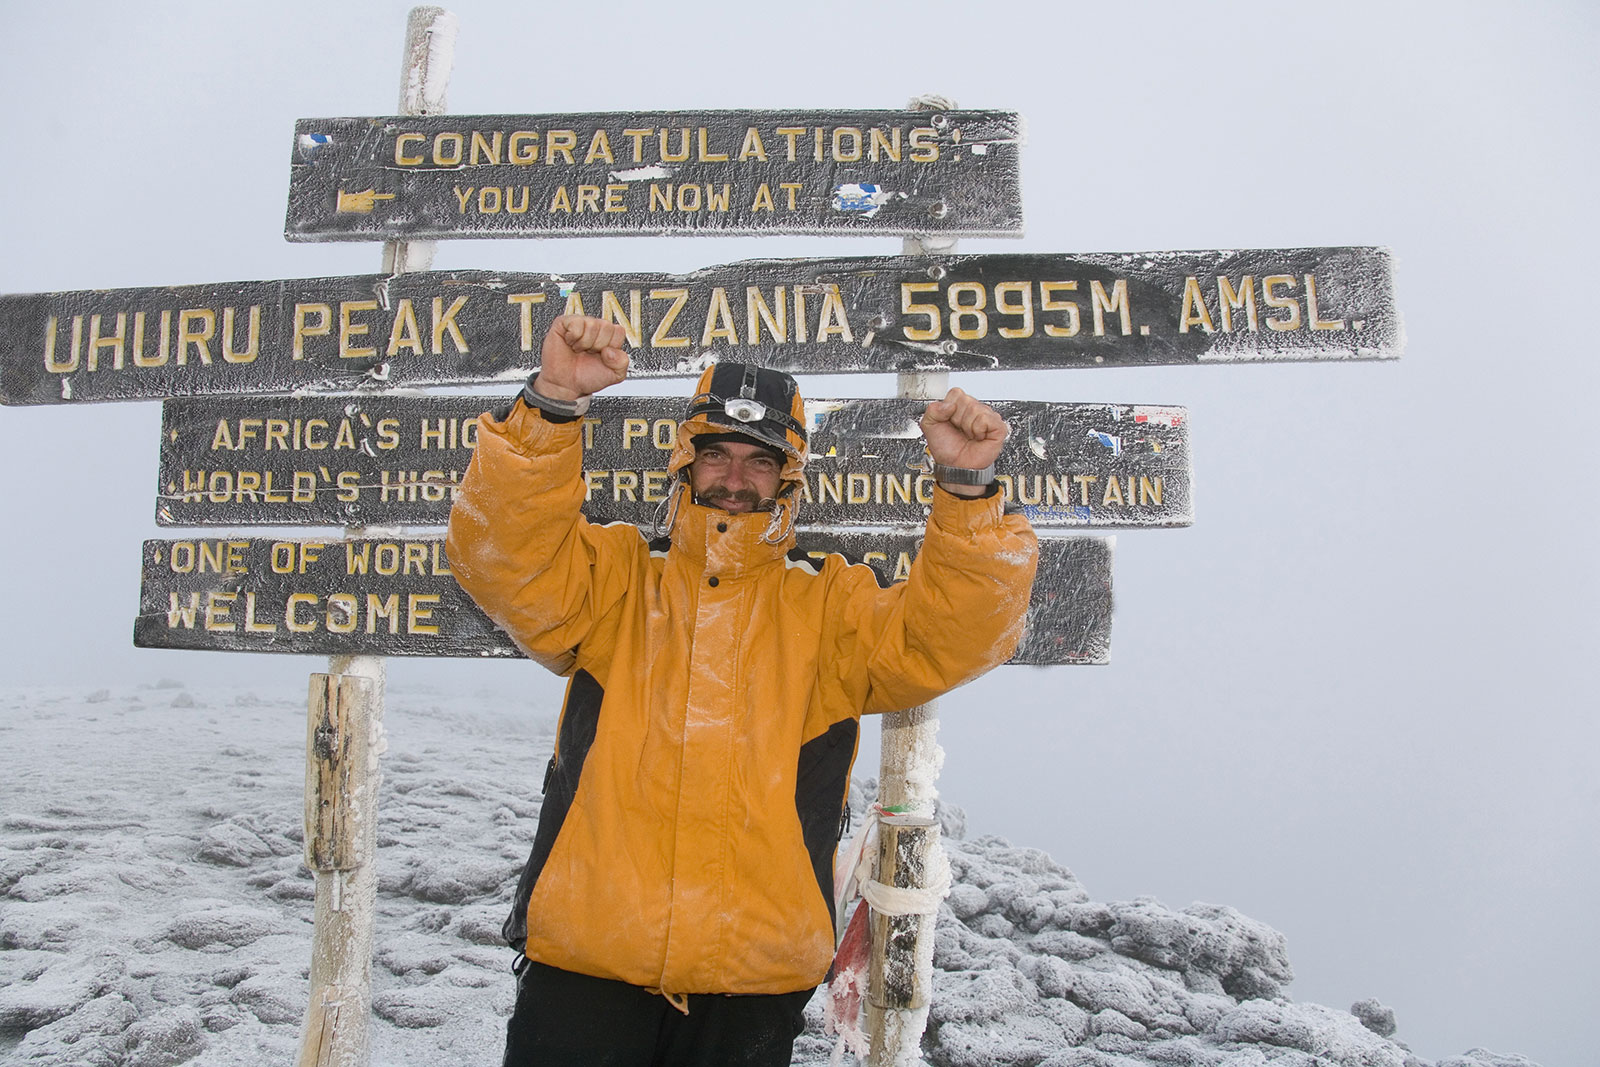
819,795
579,721
800,555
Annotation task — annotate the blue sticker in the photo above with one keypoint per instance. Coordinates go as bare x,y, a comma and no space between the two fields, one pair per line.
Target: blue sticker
864,198
1109,440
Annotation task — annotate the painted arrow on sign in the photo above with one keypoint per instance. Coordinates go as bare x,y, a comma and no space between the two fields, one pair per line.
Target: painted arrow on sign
722,172
862,314
399,598
399,460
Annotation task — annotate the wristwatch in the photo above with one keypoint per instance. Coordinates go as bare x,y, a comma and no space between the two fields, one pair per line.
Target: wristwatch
963,475
568,408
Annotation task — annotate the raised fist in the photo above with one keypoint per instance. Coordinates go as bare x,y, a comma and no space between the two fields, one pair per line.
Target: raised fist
962,431
581,355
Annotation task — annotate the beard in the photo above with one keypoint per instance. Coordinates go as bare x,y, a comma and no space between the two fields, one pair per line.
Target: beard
735,501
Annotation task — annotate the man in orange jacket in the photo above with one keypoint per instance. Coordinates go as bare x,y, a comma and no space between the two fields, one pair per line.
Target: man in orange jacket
677,904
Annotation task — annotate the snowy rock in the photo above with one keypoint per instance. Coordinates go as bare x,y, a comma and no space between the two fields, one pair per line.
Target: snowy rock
969,996
1068,945
234,926
58,991
167,1038
272,998
1027,1039
218,1014
75,880
1089,1057
242,840
410,1008
46,925
457,881
1482,1057
16,864
1021,953
480,924
1111,1021
967,901
94,1035
1266,1022
1327,1034
292,889
1376,1017
1250,957
120,951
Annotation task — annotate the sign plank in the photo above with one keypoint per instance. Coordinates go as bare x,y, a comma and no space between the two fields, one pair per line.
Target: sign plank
399,460
858,314
398,597
723,172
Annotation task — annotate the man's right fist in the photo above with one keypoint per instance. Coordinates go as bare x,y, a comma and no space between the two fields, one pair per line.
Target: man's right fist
581,355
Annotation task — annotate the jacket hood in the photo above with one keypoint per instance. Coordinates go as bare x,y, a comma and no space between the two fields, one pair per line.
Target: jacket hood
755,402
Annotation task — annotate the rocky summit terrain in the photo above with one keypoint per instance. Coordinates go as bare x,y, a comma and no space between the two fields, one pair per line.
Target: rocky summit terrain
154,910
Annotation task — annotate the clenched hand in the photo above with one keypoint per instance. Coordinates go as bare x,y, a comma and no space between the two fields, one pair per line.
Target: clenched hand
963,431
581,355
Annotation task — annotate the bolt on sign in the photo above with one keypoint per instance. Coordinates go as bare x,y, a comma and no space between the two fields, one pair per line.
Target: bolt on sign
399,598
399,460
723,172
858,314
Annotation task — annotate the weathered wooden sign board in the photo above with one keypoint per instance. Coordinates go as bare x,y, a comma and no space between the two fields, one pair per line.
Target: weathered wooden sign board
389,460
399,598
859,314
694,172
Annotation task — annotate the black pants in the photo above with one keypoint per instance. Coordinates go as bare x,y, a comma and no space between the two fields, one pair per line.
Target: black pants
572,1020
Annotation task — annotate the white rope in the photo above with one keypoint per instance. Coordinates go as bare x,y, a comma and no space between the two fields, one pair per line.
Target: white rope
894,900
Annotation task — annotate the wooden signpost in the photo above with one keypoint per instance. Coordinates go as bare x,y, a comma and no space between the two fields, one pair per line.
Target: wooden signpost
875,314
681,172
384,460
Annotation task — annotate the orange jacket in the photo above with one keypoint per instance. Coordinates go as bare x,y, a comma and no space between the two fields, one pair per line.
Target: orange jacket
692,809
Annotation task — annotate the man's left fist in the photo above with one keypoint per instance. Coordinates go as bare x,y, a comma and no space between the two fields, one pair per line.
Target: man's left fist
962,431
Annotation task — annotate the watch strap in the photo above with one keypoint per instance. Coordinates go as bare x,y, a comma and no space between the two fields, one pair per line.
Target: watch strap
963,475
570,409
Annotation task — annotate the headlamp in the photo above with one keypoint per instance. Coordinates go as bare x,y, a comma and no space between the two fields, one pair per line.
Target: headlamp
744,409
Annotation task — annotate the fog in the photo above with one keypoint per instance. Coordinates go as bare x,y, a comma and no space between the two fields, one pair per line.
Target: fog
1349,701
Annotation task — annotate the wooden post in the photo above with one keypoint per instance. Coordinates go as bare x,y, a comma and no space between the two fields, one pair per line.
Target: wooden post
340,840
900,974
345,731
338,736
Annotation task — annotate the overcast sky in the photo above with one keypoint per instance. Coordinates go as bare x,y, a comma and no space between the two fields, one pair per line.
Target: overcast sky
1350,701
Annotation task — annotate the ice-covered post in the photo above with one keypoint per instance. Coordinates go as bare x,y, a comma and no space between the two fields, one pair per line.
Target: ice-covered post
910,858
345,729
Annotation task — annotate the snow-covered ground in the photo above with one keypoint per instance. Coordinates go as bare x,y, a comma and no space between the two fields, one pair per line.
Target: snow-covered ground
154,910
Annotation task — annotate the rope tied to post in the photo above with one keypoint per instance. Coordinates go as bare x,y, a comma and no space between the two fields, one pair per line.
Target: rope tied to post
853,879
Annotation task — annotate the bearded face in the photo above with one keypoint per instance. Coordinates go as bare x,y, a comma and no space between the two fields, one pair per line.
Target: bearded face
735,476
